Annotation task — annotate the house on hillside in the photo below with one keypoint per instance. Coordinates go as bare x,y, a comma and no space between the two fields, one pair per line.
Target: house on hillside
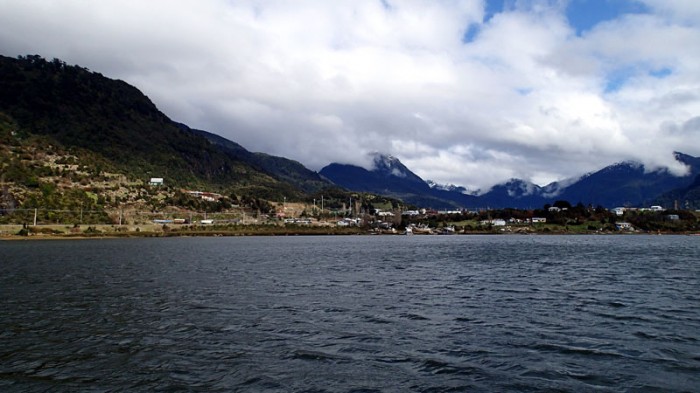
155,181
619,211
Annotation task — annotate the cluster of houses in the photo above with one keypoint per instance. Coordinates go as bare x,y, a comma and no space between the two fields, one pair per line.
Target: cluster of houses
205,196
499,222
620,211
625,226
298,221
349,222
422,212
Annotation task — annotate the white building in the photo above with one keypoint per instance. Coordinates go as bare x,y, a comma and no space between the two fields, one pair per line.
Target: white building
346,222
626,226
619,211
155,181
498,222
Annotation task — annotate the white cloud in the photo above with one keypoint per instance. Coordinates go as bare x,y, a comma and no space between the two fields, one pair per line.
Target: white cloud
682,11
322,81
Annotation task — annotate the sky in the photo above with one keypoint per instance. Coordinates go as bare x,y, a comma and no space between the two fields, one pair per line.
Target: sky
465,92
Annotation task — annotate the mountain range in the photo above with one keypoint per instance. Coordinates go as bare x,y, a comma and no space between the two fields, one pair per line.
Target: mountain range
111,124
621,184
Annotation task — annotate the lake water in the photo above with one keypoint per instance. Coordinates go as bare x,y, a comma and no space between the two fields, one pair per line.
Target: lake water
352,314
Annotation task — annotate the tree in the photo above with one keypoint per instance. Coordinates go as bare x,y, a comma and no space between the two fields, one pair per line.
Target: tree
562,204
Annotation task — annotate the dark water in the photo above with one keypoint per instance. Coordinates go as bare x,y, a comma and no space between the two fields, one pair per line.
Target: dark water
352,314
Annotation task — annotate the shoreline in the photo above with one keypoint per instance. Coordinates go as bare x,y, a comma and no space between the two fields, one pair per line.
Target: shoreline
52,232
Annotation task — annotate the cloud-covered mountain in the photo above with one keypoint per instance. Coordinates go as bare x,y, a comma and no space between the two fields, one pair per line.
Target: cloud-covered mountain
622,184
389,177
514,193
449,187
629,184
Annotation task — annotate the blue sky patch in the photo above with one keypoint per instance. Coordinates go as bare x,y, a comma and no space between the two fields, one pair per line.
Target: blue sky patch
583,15
661,72
471,33
493,7
616,79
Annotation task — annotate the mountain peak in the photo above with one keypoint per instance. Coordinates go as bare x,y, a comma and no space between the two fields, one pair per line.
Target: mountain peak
449,187
383,161
518,188
390,166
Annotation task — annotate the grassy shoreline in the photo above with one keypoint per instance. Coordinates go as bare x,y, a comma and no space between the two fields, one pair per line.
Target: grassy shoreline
52,232
19,232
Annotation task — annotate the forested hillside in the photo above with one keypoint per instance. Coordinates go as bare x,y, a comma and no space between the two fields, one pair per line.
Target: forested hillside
123,131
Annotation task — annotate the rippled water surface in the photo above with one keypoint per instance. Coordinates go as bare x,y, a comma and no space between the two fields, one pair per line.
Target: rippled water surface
352,314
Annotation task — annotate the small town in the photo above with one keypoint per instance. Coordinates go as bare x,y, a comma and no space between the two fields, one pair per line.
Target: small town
222,217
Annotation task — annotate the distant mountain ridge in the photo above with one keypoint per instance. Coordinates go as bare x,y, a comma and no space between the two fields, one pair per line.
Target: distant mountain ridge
621,184
629,184
290,171
390,177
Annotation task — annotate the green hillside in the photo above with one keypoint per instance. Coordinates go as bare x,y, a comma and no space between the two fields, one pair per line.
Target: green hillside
77,147
84,111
